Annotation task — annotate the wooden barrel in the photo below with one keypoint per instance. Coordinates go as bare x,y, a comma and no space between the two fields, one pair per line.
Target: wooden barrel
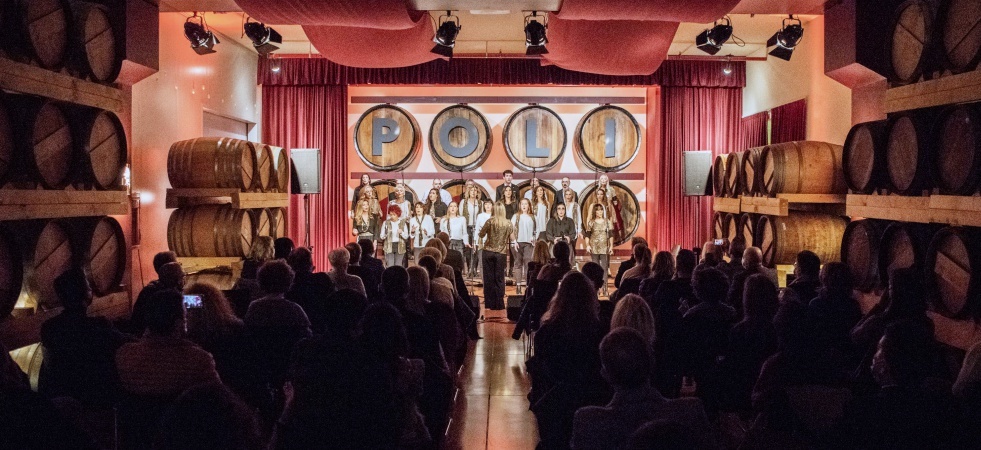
277,219
43,140
863,159
29,358
782,237
720,224
734,173
460,138
213,162
746,227
386,138
100,146
47,251
7,147
95,52
100,248
953,272
279,180
909,153
456,188
751,167
265,168
38,30
210,230
607,139
386,187
11,271
903,245
803,167
534,138
860,252
957,164
961,34
911,41
719,175
219,277
629,209
262,222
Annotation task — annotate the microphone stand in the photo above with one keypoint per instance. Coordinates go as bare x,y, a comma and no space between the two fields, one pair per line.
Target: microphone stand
306,220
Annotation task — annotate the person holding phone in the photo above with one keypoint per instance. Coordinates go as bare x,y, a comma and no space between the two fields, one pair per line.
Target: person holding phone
599,240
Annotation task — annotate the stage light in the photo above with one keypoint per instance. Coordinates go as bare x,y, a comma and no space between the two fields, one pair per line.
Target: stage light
262,37
785,41
535,34
202,40
710,41
275,65
445,37
727,69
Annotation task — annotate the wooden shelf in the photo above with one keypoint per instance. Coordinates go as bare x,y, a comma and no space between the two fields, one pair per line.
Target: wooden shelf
177,198
16,332
19,204
782,204
960,88
943,209
28,79
726,204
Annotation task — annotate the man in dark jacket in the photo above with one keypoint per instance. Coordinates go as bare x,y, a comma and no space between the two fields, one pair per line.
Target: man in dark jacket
170,275
309,289
630,263
807,276
372,264
355,268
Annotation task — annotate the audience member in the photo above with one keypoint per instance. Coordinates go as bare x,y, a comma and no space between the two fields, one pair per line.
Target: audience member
834,311
627,365
707,326
440,313
309,289
630,263
451,257
642,269
217,330
163,363
283,247
752,261
711,256
170,275
663,435
735,264
807,280
79,351
565,368
669,344
632,312
262,250
374,265
595,275
751,342
340,260
354,268
560,265
661,270
209,417
537,300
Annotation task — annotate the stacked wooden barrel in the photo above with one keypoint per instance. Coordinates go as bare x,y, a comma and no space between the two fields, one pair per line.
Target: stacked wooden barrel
804,167
781,237
928,37
221,230
534,138
212,162
397,135
82,37
460,138
750,167
607,139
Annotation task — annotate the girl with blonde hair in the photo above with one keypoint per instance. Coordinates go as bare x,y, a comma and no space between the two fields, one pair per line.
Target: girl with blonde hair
496,236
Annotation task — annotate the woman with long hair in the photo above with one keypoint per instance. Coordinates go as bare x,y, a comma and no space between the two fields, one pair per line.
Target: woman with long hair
470,208
540,206
565,370
216,329
616,216
599,239
455,225
482,218
365,221
394,233
524,237
496,235
634,313
643,267
510,201
435,207
363,186
540,257
421,229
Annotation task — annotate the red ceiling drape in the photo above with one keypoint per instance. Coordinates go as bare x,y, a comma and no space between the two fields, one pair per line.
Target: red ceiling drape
313,117
612,47
673,10
789,122
753,130
382,14
693,118
372,47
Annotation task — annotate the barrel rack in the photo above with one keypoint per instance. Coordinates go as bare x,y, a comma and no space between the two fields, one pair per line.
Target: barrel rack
178,198
946,90
782,204
22,204
28,79
942,209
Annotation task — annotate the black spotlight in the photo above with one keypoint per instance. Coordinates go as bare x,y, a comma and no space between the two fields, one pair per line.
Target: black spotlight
535,38
785,41
445,37
203,41
710,41
262,37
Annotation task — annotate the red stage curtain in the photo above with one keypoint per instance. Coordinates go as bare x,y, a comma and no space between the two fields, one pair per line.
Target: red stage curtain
789,122
753,130
611,47
672,10
388,48
313,117
692,118
382,14
491,71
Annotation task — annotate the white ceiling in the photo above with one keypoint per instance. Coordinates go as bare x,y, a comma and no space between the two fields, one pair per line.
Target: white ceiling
492,34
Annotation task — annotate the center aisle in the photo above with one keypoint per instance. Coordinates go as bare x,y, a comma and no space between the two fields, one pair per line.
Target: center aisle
491,409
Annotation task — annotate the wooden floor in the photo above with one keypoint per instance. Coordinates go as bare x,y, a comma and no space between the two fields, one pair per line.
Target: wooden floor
491,410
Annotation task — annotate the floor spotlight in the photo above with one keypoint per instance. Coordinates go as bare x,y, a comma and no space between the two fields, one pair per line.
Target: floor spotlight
535,34
262,37
710,41
203,41
445,37
785,41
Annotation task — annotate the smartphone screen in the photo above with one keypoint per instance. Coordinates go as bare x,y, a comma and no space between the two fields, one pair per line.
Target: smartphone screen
192,301
718,242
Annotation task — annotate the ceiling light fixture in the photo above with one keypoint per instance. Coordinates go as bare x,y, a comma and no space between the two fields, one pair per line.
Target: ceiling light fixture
785,41
275,64
262,37
710,41
535,34
202,40
727,68
445,37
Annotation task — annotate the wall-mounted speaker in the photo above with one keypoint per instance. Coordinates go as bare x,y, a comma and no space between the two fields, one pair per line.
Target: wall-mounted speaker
698,168
307,171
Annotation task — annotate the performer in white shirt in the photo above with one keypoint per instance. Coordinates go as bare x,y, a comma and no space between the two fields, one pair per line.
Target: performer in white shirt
393,234
404,204
479,243
524,238
455,225
444,195
469,208
560,198
421,229
534,185
539,204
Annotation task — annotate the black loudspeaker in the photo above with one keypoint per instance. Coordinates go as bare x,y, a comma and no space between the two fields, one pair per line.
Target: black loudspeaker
698,168
307,171
515,303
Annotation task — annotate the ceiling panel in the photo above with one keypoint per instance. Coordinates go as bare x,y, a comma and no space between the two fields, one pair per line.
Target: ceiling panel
509,5
779,7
